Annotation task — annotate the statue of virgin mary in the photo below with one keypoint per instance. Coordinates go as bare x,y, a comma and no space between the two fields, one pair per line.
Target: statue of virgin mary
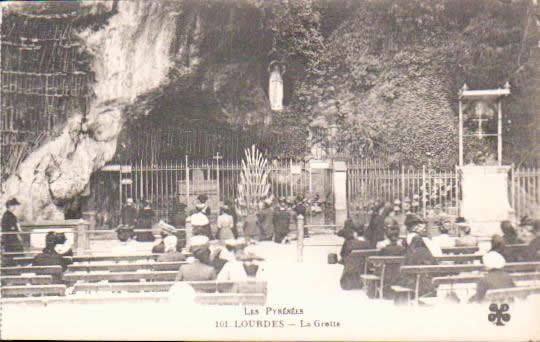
275,86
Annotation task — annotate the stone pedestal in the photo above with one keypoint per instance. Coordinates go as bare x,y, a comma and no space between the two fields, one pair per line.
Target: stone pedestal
485,200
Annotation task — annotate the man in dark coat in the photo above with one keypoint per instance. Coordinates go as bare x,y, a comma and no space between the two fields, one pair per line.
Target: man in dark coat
11,242
234,215
129,213
498,245
281,221
496,277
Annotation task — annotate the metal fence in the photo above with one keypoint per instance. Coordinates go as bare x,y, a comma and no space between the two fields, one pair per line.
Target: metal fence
525,191
432,188
162,182
429,188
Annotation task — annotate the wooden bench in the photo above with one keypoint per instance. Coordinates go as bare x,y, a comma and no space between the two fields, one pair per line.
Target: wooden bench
25,280
199,286
115,267
382,262
96,258
101,298
418,271
515,292
121,276
364,254
32,290
18,270
474,278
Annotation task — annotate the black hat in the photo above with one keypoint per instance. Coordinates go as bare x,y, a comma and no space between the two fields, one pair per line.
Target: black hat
460,219
202,198
12,201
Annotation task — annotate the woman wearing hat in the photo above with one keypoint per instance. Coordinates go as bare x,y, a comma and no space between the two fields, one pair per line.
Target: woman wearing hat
171,252
49,257
200,222
225,224
11,242
241,267
496,277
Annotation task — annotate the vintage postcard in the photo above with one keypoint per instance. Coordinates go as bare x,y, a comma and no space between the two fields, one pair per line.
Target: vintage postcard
270,170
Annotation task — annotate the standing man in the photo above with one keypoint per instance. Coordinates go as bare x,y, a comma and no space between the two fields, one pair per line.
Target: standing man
11,242
129,213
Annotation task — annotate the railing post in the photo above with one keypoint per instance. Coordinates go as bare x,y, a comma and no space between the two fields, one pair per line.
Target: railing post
300,238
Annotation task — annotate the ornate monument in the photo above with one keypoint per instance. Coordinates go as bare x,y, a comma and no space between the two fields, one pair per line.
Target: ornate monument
484,187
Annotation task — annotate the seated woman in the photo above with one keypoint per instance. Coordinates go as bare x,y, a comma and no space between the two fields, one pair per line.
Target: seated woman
171,253
241,268
394,248
465,239
498,245
49,257
353,265
127,245
510,235
418,254
198,269
496,277
443,240
350,243
389,225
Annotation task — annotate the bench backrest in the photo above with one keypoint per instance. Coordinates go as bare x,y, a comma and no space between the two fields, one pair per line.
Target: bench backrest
379,259
17,270
199,286
115,267
201,298
517,292
473,278
24,280
441,269
30,290
121,276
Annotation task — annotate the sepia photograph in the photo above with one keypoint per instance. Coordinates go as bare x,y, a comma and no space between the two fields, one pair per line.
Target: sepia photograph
260,170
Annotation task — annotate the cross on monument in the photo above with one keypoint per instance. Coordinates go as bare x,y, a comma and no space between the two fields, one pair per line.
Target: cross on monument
480,120
217,157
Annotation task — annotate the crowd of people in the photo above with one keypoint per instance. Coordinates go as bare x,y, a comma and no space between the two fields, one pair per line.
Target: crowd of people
397,229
